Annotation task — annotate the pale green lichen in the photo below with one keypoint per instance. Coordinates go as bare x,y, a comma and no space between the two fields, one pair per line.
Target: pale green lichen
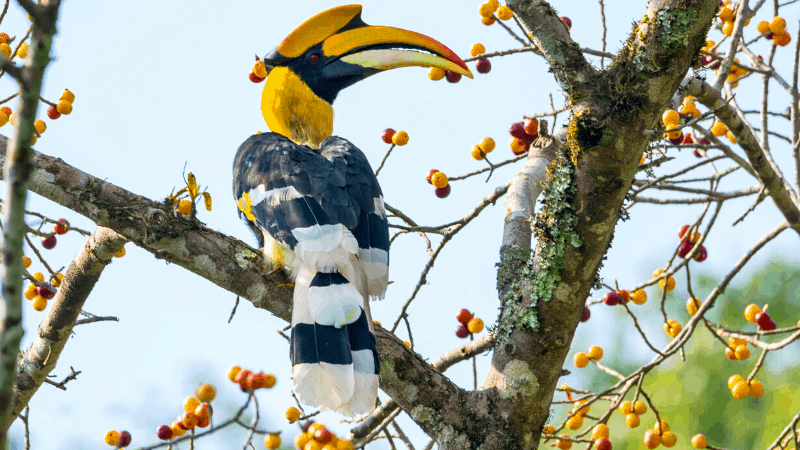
410,393
424,414
452,439
676,25
517,380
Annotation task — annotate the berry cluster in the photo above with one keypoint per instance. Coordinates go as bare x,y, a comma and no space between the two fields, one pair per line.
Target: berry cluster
660,435
482,65
479,151
759,316
668,284
632,411
116,439
248,380
741,388
40,294
737,349
197,413
5,49
687,244
492,7
612,298
727,14
775,30
259,71
316,436
522,135
440,182
64,105
399,138
468,324
581,360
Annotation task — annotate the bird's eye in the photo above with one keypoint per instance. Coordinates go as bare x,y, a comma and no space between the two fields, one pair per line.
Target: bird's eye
315,57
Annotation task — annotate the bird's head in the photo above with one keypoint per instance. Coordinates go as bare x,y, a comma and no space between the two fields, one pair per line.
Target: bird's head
336,49
331,51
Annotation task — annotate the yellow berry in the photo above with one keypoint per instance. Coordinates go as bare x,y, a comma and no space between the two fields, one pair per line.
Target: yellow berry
582,411
233,371
692,305
205,392
400,138
730,353
67,96
669,439
486,10
185,207
735,342
22,51
30,292
38,276
190,404
439,180
477,153
639,297
595,353
733,380
562,444
626,408
727,28
548,429
651,439
5,49
494,4
26,262
56,280
475,325
726,14
39,303
632,420
756,389
272,441
742,352
344,445
292,414
301,440
699,441
3,118
763,27
663,426
487,20
477,49
40,126
575,422
719,129
120,253
487,145
675,134
600,431
669,285
177,431
778,25
581,360
639,407
671,117
112,437
750,312
64,107
504,13
260,69
436,73
740,390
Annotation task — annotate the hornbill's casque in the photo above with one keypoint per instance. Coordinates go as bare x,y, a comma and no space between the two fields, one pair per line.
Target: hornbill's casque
314,203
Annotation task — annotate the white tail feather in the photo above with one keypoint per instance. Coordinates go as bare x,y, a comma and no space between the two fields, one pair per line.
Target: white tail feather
324,385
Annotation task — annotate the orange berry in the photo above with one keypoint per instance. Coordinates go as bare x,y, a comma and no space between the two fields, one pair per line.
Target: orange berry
292,414
190,404
735,342
344,445
189,420
726,14
730,353
582,411
782,39
67,96
626,296
233,371
763,27
269,380
742,352
38,276
477,153
740,390
756,389
626,408
651,439
436,73
487,145
727,28
505,13
301,440
669,285
632,420
580,360
5,50
669,439
595,353
750,312
203,410
671,118
272,441
477,49
39,303
112,437
177,430
120,253
40,126
663,426
575,422
487,20
475,325
600,431
731,137
699,441
639,297
400,138
564,444
548,429
777,25
639,407
439,180
260,69
486,11
692,305
733,380
719,129
64,107
30,292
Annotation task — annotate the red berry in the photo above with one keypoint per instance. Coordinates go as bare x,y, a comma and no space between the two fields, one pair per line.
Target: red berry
255,78
483,66
241,377
602,444
765,322
676,140
464,316
517,130
531,127
612,298
53,113
567,22
462,331
430,175
49,242
124,439
443,192
685,248
322,435
256,380
697,153
701,254
586,314
387,135
164,433
306,425
687,139
452,77
59,229
524,146
44,292
769,35
682,230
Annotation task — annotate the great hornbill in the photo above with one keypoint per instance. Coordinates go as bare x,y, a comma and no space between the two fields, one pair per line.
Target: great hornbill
314,203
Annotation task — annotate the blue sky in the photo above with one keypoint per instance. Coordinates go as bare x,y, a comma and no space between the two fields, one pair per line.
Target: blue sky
163,85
